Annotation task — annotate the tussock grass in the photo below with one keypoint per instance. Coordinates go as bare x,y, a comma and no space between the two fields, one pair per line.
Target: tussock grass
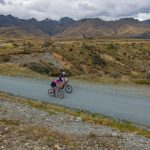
108,59
97,79
10,122
16,70
144,82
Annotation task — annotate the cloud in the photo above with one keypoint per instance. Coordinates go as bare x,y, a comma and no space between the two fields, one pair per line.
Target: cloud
55,9
2,2
143,16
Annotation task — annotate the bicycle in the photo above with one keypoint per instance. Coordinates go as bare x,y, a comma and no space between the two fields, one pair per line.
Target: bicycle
57,92
68,88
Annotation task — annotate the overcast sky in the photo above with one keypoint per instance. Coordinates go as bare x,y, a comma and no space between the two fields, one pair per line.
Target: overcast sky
77,9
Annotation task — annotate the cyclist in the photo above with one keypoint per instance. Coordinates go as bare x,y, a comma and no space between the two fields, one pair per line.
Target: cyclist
62,77
56,83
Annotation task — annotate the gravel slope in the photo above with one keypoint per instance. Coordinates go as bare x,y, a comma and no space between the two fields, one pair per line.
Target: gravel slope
23,127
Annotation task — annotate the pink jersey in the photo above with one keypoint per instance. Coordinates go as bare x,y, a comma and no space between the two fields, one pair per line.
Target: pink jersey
56,81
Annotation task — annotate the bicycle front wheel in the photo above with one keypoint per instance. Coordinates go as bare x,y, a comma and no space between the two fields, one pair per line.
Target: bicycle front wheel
68,88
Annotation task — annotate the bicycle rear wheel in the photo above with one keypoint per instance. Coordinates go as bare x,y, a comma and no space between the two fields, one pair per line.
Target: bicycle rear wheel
50,92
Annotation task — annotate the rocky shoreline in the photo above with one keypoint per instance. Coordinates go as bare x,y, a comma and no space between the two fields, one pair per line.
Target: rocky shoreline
23,127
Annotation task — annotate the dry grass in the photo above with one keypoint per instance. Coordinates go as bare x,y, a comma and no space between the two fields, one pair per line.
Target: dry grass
109,60
10,122
96,79
49,139
16,70
34,133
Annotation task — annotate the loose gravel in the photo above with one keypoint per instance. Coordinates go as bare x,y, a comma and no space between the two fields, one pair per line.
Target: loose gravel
80,132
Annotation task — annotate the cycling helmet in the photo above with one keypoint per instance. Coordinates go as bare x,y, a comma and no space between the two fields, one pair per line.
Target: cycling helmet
63,73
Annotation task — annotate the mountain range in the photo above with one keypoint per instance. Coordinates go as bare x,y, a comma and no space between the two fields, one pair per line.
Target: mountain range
70,28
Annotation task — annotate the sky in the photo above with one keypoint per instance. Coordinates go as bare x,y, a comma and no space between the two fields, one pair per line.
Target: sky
76,9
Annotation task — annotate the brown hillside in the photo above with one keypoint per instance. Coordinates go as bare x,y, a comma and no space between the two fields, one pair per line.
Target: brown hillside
14,32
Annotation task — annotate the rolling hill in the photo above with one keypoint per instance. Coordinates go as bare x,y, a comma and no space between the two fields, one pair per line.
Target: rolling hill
14,32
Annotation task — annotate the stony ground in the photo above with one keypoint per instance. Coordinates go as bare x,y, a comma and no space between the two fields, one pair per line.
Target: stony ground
26,128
